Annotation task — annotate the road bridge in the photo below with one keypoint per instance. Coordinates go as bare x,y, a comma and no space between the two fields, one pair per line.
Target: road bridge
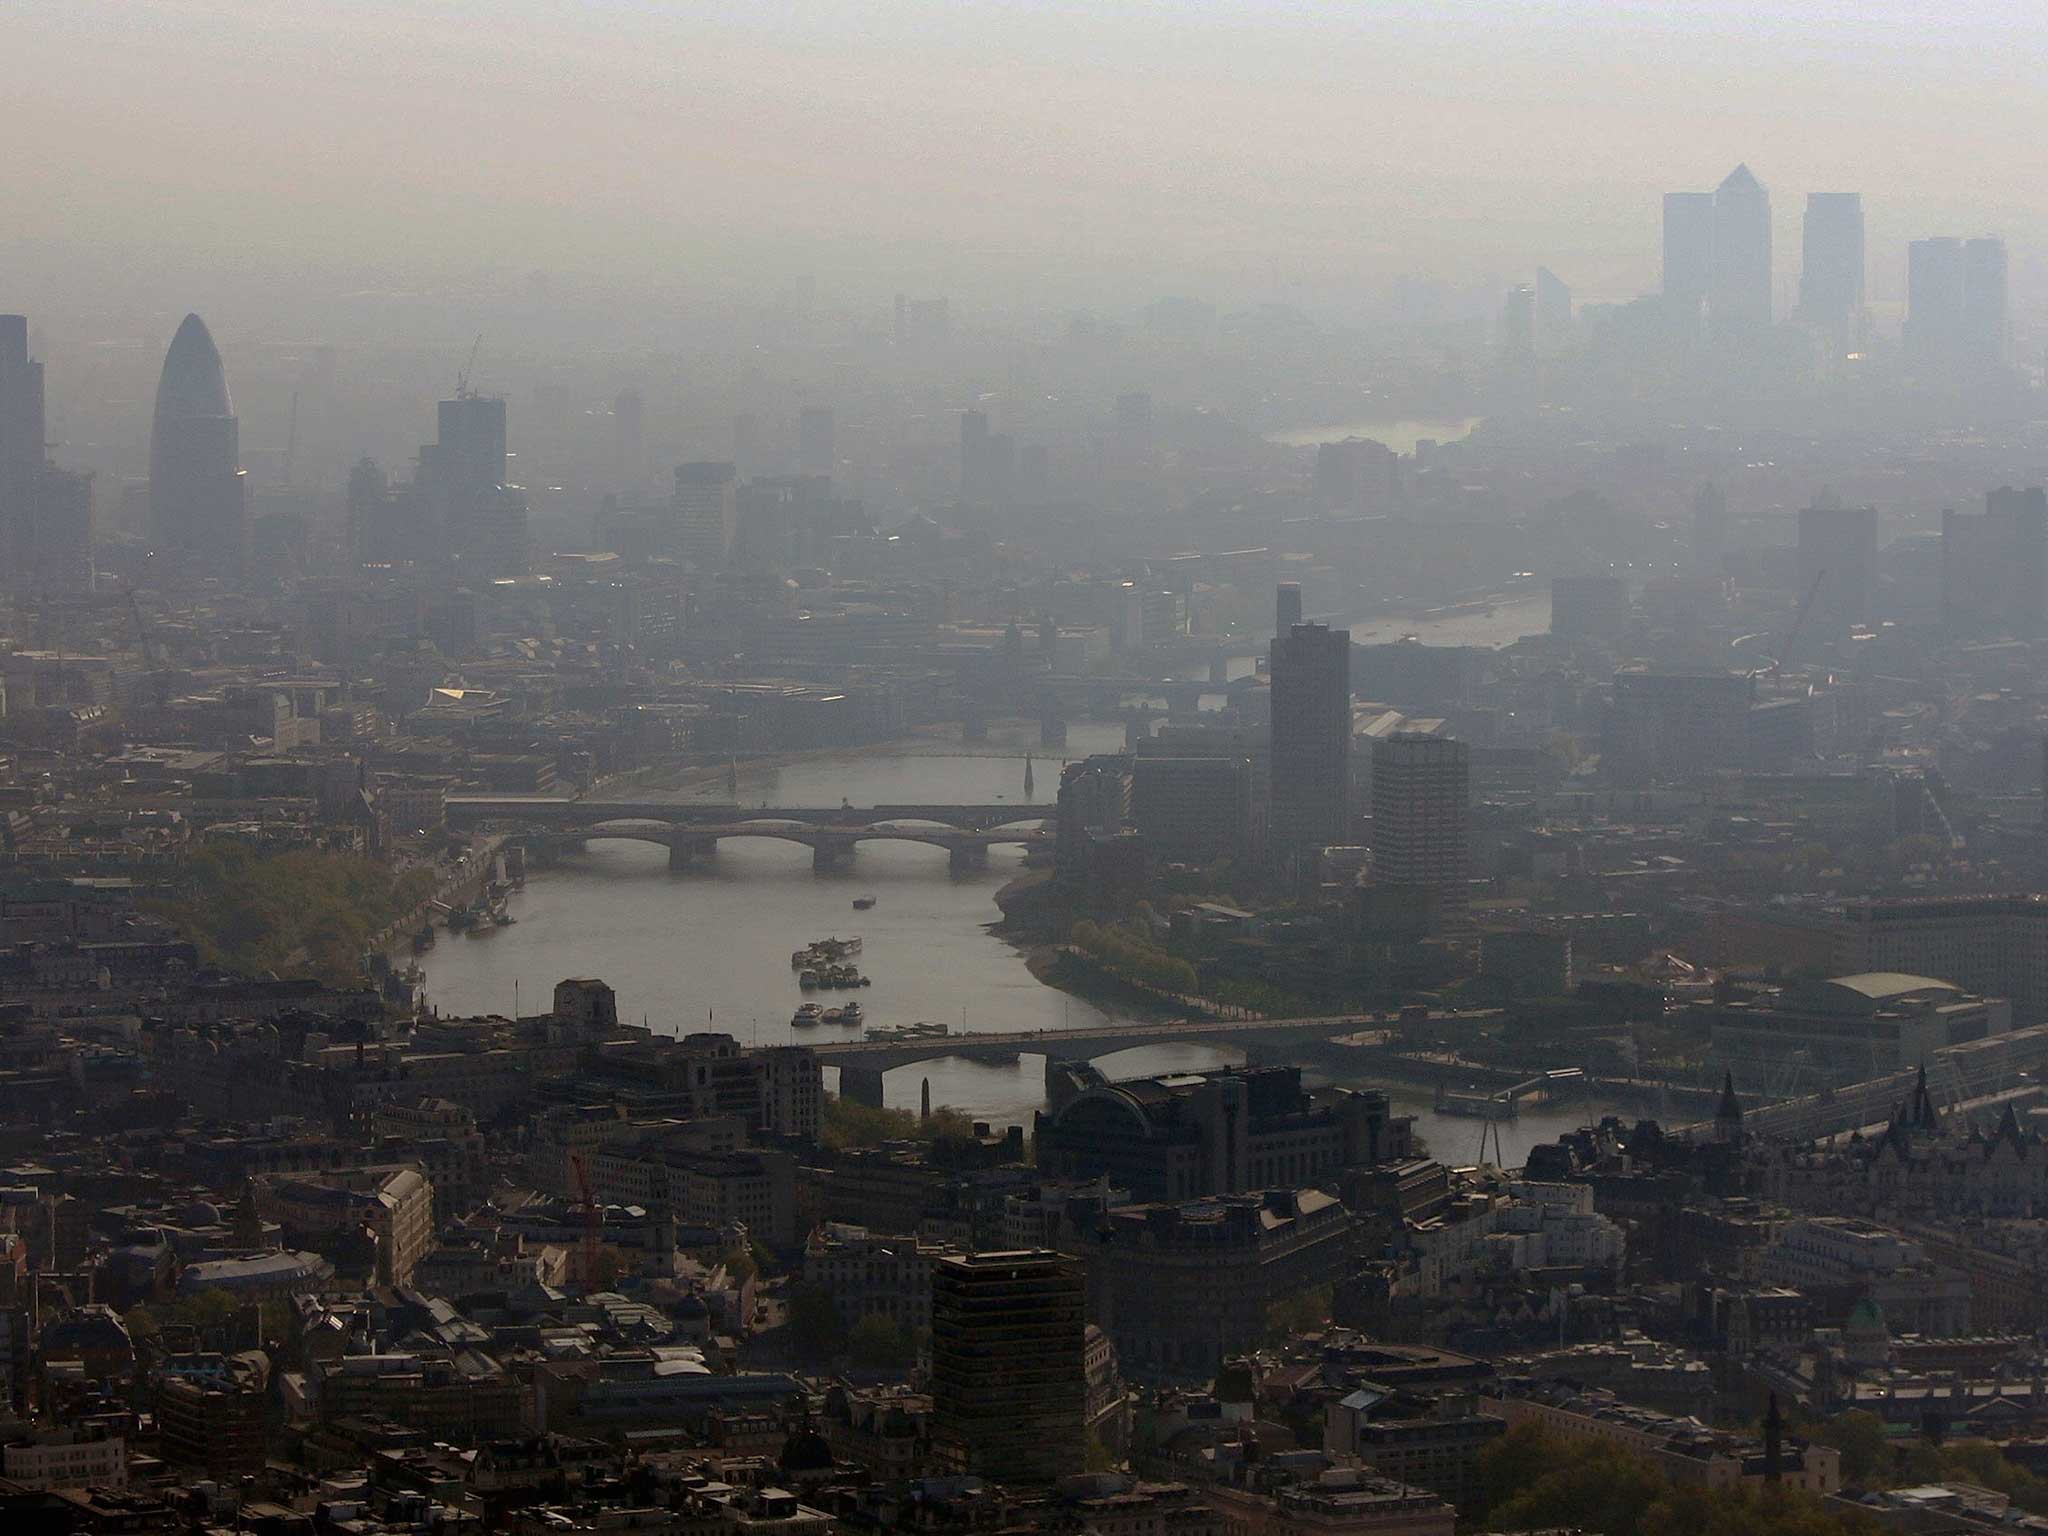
693,831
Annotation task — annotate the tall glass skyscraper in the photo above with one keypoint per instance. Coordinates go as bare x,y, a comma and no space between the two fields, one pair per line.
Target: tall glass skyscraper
198,494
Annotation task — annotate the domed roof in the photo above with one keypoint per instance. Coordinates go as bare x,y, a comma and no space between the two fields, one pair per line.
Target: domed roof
199,1214
193,382
805,1451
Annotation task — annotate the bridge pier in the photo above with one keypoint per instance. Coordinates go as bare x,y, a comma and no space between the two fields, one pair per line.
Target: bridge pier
963,858
829,858
683,852
863,1085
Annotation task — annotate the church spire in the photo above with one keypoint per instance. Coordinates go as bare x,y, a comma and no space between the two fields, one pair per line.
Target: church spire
1728,1117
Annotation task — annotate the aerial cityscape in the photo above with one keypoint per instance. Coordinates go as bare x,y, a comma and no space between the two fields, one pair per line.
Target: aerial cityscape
711,825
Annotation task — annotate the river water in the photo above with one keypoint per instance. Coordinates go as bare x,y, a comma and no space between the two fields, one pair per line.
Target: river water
709,947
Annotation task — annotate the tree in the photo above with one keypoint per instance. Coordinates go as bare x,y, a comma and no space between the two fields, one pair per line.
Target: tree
848,1123
814,1325
1863,1442
1300,1312
879,1343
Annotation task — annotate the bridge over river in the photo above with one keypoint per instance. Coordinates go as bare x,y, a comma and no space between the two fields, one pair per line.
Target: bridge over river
863,1063
691,831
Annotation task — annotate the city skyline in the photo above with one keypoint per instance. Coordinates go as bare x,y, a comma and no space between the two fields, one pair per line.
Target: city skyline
1560,184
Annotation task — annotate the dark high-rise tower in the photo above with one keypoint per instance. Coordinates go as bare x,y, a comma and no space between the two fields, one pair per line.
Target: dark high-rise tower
462,474
21,442
470,453
1008,1379
1934,302
1740,300
1688,247
1286,606
1984,303
1837,563
1831,264
198,495
1310,772
1421,788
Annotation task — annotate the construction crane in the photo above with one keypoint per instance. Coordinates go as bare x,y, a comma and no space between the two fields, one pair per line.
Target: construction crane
593,1218
462,389
1792,631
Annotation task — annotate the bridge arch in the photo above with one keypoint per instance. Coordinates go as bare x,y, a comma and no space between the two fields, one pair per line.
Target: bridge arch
629,829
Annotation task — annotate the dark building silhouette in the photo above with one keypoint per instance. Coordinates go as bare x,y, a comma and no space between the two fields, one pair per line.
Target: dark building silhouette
1740,300
706,512
1934,301
1286,606
198,493
21,442
1008,1382
1956,320
1837,563
1994,565
1310,673
1832,264
1588,607
462,476
1984,304
1421,793
1688,248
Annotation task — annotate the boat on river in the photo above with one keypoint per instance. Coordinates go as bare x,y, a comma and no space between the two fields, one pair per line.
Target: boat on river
806,1015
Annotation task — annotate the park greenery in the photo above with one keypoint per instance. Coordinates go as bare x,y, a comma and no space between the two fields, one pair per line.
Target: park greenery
847,1123
1300,1312
873,1343
207,1312
254,912
1873,1457
1536,1481
1133,957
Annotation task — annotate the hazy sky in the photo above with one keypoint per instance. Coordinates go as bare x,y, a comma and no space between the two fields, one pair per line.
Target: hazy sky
1022,152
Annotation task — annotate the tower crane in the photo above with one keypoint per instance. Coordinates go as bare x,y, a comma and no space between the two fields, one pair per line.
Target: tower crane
1792,631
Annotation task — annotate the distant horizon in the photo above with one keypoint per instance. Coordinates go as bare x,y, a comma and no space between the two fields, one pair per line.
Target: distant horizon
1022,159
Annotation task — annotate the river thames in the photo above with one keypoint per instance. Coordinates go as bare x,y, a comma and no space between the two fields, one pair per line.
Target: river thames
709,948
